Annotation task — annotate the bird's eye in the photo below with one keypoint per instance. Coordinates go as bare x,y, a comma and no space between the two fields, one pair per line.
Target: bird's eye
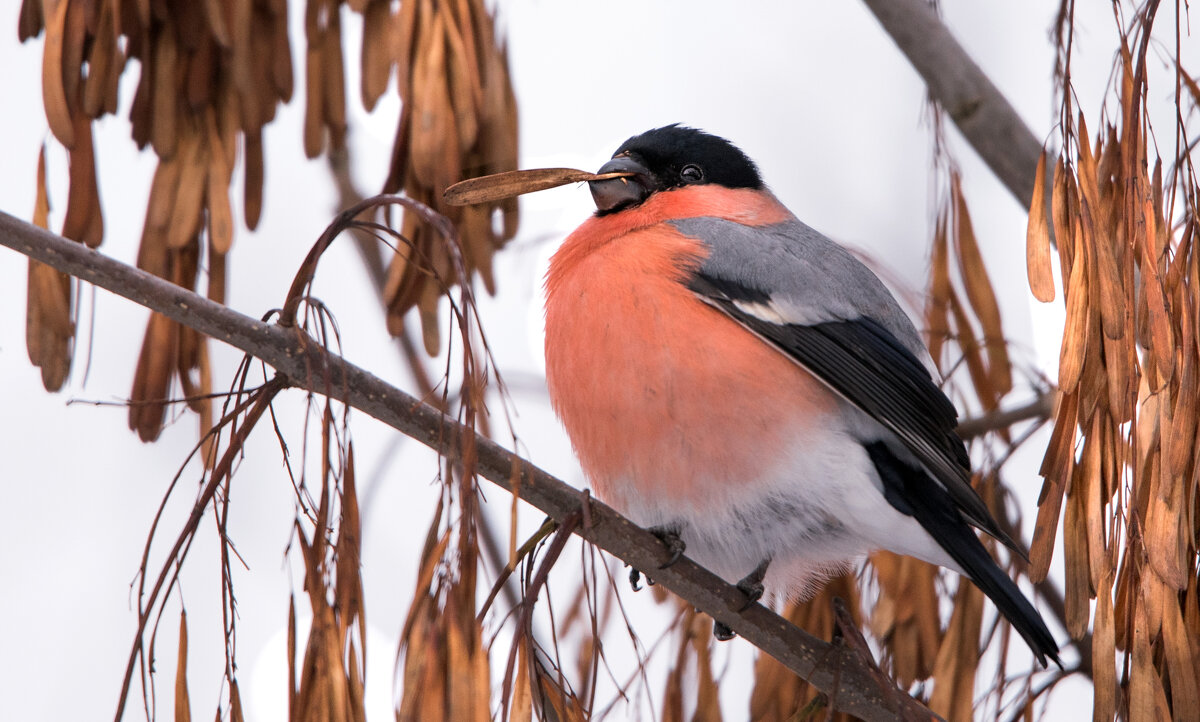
691,173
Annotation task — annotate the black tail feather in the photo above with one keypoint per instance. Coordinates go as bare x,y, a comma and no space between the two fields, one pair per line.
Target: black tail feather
912,492
965,548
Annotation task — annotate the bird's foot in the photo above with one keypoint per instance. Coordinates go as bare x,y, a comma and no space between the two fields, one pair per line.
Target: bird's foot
635,578
669,535
752,587
752,584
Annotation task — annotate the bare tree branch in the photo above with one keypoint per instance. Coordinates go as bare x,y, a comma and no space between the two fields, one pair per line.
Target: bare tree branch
1041,408
830,668
985,117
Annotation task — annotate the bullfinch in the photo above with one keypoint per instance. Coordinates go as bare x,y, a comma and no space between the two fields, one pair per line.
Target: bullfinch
747,389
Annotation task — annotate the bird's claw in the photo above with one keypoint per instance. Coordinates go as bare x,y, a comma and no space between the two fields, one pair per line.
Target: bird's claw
669,535
722,631
752,587
635,578
752,584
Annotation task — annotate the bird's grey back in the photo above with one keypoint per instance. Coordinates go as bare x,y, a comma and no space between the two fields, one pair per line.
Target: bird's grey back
809,278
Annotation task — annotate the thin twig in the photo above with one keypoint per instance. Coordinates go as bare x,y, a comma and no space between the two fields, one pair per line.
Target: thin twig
1040,408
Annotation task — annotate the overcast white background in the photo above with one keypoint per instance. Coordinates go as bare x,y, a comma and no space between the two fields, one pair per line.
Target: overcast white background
815,92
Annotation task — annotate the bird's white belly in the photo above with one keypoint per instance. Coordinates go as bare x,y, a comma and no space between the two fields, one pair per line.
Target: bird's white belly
813,513
792,512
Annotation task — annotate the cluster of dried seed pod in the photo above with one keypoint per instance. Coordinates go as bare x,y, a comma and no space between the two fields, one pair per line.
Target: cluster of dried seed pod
459,120
1121,467
211,76
950,317
49,327
446,670
72,99
905,617
970,319
329,681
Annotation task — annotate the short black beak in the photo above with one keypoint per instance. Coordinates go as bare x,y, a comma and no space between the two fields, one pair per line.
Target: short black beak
617,193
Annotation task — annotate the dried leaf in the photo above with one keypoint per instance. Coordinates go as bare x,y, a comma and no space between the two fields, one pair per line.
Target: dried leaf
1088,480
376,50
483,677
48,326
1159,317
1064,206
30,20
152,379
281,56
54,94
434,145
183,711
165,131
314,70
1037,239
460,675
84,221
1165,536
427,307
522,700
404,29
349,580
1182,663
253,182
937,310
1111,298
333,80
954,673
1119,365
235,703
216,193
1104,672
75,35
187,214
1076,331
1075,555
1057,468
478,243
983,302
291,657
103,65
1147,701
1184,422
973,355
465,85
159,209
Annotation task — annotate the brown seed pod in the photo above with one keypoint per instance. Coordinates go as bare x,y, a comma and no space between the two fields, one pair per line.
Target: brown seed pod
510,184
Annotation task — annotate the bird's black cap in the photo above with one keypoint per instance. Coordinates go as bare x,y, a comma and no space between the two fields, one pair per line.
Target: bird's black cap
673,156
667,151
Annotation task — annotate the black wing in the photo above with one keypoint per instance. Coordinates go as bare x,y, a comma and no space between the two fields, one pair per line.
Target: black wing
864,362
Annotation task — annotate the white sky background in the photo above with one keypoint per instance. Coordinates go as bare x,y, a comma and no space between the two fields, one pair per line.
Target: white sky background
815,92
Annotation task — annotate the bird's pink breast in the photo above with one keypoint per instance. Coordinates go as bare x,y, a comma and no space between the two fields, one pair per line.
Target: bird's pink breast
664,397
